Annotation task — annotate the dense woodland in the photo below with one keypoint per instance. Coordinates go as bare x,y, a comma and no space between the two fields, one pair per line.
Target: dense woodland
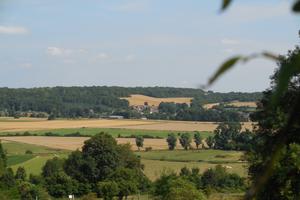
95,101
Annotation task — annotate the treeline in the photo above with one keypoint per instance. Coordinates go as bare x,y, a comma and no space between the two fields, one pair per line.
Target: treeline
107,170
195,112
96,101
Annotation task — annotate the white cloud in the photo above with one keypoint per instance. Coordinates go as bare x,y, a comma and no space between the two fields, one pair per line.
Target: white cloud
57,51
64,52
13,30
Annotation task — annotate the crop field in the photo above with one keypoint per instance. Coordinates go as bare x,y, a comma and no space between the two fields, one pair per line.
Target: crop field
73,143
250,104
139,100
12,125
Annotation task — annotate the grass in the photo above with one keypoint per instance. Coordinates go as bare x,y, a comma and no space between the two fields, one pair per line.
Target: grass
16,148
35,165
157,162
17,159
32,163
154,168
115,132
212,156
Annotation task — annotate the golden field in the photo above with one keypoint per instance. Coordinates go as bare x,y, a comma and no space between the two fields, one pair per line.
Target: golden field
251,104
25,124
139,100
73,143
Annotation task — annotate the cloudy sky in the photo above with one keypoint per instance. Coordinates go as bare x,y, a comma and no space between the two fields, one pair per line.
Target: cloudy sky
140,42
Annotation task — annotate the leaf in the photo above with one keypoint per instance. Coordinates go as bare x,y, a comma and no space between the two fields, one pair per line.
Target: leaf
225,4
296,7
270,56
223,68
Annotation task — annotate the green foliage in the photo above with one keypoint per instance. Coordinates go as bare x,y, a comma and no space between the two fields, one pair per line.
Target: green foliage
8,179
181,189
21,174
107,189
172,141
60,185
3,159
185,140
210,141
127,181
139,141
52,167
274,167
197,139
218,178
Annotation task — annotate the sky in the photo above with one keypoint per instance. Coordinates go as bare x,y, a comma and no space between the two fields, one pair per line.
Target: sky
141,42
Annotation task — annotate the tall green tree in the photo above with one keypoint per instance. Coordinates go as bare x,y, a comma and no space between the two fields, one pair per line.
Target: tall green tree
21,174
185,140
172,141
3,159
197,139
277,133
139,141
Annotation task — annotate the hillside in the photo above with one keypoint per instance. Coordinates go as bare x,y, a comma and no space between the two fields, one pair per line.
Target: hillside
139,100
97,101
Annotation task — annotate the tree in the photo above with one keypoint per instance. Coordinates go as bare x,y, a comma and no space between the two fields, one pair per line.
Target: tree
172,141
226,134
197,139
3,159
21,174
274,157
210,141
181,189
52,166
8,178
185,140
60,184
139,141
107,189
127,181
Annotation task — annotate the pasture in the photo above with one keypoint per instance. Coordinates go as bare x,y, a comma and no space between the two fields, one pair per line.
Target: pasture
139,100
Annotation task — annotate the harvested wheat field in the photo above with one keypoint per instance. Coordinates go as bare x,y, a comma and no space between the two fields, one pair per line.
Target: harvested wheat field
23,125
73,143
250,104
139,100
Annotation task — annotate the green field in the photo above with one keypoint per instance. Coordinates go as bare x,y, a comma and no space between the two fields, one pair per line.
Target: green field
158,161
34,162
115,132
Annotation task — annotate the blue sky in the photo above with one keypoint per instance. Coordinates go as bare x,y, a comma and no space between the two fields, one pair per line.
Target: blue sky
140,42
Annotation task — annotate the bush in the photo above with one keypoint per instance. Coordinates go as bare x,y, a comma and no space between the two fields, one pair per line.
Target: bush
28,152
